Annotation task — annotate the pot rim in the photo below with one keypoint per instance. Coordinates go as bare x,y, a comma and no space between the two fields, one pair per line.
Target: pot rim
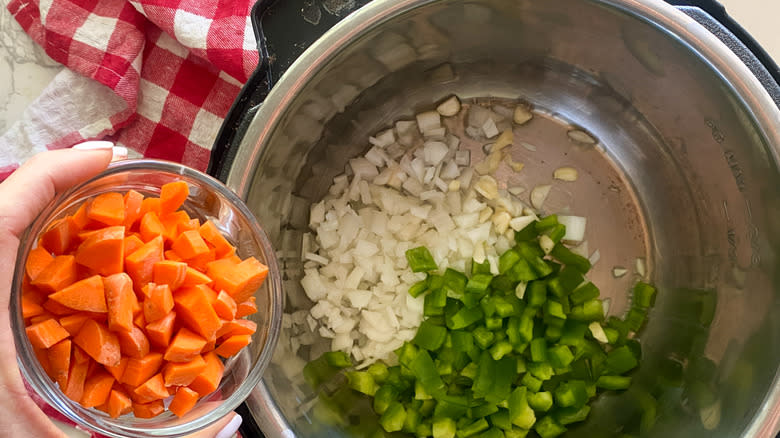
734,74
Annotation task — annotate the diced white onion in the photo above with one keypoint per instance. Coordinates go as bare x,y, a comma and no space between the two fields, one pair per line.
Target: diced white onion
449,107
428,120
575,227
598,332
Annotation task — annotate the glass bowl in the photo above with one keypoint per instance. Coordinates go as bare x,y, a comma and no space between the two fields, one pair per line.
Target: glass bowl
208,199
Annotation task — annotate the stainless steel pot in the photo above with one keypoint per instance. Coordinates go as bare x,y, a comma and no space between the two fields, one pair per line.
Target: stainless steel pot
684,174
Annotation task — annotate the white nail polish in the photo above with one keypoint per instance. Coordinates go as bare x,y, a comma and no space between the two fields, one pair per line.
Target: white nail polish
231,428
94,145
119,153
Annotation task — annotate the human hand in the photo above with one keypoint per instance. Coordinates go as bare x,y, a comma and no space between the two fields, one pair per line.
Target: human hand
22,197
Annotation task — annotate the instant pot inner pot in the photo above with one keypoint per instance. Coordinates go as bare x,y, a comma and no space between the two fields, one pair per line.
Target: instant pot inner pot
679,176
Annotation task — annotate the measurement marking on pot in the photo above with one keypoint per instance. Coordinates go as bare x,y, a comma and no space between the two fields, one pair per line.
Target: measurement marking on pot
755,254
736,169
717,134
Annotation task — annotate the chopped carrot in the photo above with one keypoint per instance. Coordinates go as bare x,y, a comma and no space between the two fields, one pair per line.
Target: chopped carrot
152,389
140,370
87,294
192,224
173,195
139,319
80,219
133,342
160,331
148,410
107,208
184,346
38,259
99,343
170,223
59,361
41,318
158,303
189,245
212,235
172,256
97,388
73,323
193,308
74,389
237,327
132,243
56,308
201,262
103,251
150,204
207,381
60,236
170,272
33,293
60,273
239,280
183,401
119,403
183,373
132,200
246,308
43,358
151,226
232,345
46,333
120,300
119,369
193,277
210,346
30,308
140,264
225,306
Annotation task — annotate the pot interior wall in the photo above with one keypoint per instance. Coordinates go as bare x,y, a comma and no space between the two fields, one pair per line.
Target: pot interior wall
681,177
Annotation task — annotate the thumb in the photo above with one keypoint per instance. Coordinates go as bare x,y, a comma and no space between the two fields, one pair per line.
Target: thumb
226,427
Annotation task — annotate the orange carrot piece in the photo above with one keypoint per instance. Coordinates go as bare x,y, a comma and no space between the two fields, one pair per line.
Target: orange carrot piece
46,333
183,401
212,235
178,374
193,308
172,256
189,245
150,204
246,308
184,346
133,343
99,343
103,251
38,259
60,273
30,308
225,306
207,381
132,243
237,327
60,236
77,376
158,303
152,389
140,370
41,318
32,293
118,403
232,345
59,361
139,319
107,208
43,358
148,410
80,219
120,300
239,280
150,226
192,224
119,369
87,294
56,308
193,277
173,195
210,346
73,323
171,221
97,388
201,262
160,331
170,272
140,264
132,200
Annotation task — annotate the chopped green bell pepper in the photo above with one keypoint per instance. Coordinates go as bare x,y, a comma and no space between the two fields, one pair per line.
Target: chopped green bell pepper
420,260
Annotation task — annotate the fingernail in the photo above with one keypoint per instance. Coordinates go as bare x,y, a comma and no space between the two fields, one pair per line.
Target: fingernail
120,153
94,145
231,428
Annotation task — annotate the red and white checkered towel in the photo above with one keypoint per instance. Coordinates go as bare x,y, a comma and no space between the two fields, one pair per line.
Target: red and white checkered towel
157,76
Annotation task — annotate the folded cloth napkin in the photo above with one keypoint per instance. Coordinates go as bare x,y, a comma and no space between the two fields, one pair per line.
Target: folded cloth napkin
156,76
